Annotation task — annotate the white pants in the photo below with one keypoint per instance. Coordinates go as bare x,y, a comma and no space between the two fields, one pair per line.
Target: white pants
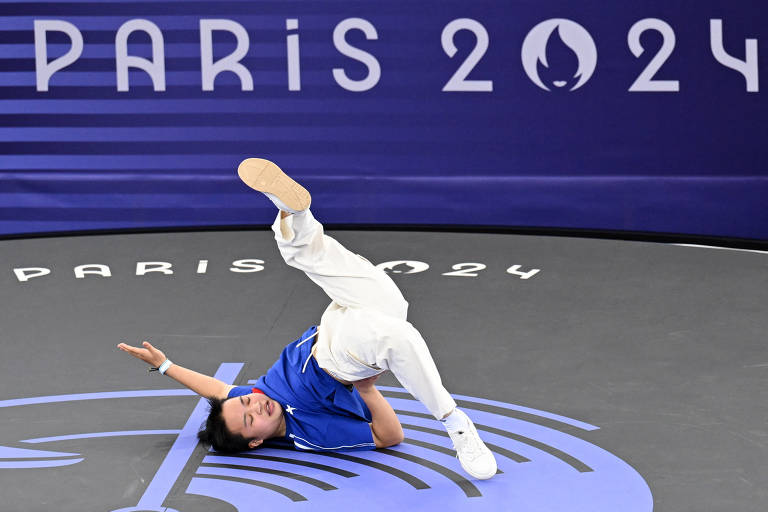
364,330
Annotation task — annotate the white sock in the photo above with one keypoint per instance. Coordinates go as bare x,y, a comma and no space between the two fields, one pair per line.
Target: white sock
455,421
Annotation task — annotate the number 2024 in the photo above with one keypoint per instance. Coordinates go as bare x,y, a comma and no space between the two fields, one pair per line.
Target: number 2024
645,82
467,269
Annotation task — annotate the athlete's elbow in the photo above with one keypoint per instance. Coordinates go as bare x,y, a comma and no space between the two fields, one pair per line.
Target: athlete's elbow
387,442
398,438
395,438
387,439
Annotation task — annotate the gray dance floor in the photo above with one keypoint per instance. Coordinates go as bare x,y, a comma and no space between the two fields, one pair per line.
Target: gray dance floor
621,376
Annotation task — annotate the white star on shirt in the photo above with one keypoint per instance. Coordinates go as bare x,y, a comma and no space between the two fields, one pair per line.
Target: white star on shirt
289,409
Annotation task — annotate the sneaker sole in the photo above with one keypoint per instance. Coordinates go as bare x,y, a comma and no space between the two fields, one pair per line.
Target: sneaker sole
478,475
266,176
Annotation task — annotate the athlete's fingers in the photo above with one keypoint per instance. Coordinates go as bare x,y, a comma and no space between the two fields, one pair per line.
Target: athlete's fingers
150,347
151,350
148,354
134,351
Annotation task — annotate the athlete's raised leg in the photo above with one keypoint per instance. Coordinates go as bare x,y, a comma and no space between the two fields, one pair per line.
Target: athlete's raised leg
347,278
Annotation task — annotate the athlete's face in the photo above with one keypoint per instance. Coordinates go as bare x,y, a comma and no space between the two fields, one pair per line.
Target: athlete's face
253,416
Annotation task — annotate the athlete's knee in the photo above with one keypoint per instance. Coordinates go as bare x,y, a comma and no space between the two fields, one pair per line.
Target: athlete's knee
406,339
394,305
399,308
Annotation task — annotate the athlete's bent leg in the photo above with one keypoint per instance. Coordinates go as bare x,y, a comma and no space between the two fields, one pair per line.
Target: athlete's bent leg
365,340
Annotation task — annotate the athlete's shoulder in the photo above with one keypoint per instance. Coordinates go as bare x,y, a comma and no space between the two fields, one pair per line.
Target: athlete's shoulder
240,391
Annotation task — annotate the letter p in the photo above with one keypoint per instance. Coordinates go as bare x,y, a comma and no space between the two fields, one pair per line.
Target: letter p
25,274
44,69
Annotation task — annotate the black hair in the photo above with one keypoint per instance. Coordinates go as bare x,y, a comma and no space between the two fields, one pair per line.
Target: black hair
216,433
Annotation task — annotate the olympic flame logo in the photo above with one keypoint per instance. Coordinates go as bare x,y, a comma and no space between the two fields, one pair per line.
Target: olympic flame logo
574,37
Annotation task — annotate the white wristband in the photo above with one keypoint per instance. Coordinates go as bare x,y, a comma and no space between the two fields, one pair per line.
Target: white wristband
164,367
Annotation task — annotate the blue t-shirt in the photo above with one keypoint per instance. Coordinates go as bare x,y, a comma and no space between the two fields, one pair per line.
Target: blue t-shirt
320,412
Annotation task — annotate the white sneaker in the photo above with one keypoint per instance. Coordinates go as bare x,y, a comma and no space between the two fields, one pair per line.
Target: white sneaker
474,456
268,178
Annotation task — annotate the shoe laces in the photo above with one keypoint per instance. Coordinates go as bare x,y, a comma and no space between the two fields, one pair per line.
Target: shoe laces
467,443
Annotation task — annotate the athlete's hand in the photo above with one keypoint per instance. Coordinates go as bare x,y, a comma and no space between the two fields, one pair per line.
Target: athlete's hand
148,354
365,384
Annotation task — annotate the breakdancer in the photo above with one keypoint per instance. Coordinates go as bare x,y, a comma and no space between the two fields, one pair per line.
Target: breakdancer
320,394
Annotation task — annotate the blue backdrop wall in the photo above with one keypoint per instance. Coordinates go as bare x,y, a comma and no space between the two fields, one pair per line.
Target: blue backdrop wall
621,115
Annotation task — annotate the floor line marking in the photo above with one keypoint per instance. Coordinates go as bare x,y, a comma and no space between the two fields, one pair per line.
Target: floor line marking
721,248
178,456
101,434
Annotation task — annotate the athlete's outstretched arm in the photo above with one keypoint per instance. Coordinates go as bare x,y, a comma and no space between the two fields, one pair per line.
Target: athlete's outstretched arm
201,384
385,426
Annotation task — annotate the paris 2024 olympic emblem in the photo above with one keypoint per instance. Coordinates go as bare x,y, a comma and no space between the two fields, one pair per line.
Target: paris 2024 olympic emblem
574,37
